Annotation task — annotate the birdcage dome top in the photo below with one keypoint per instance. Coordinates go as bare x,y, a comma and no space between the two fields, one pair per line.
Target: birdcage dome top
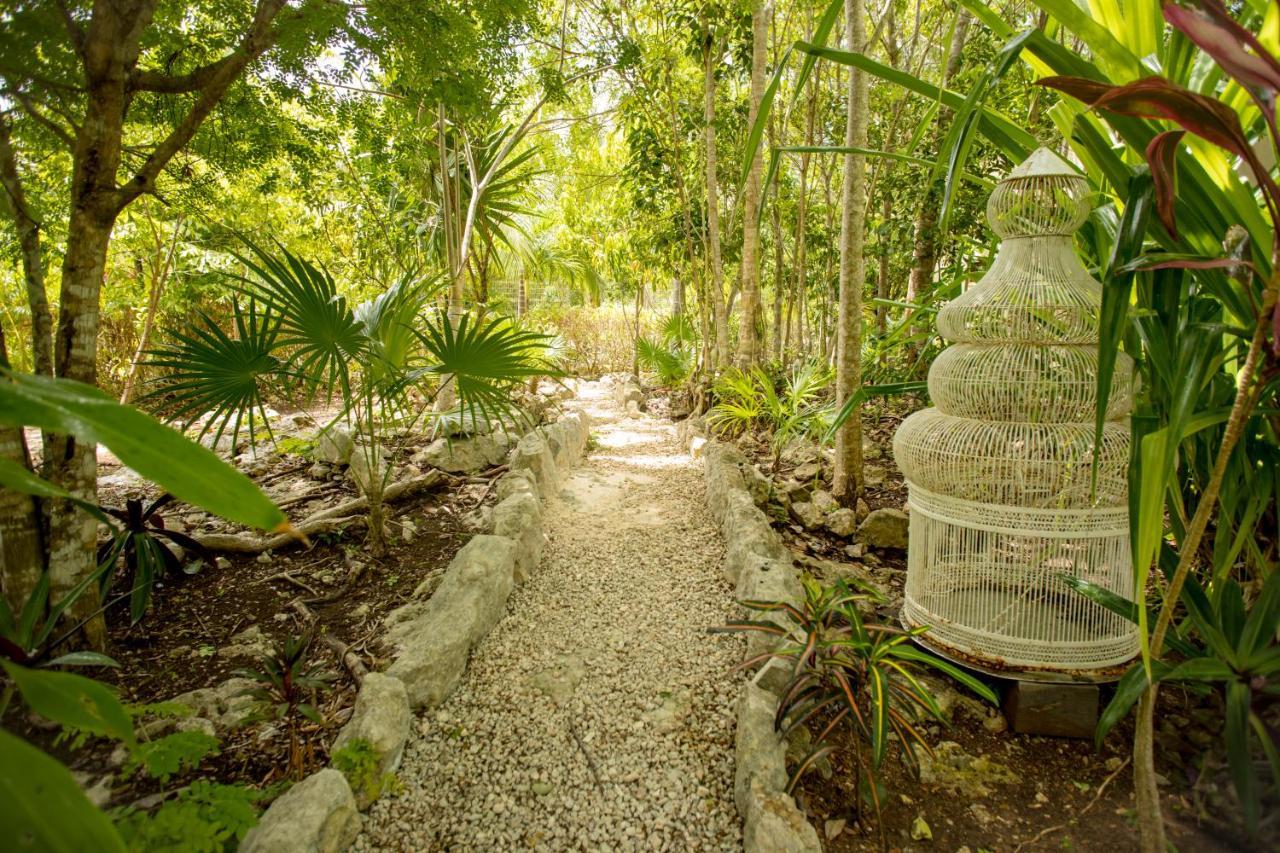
1043,197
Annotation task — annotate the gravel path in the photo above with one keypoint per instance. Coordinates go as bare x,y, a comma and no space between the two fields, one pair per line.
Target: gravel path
599,714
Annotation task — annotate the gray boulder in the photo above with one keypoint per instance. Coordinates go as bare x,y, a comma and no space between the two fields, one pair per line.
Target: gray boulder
381,718
808,514
534,455
465,455
335,445
842,522
469,602
317,815
885,528
519,518
520,482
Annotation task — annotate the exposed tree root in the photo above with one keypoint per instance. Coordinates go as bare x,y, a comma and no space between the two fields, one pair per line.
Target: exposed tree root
325,521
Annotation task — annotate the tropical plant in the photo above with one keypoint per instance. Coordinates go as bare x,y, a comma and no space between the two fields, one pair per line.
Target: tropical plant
750,400
1234,652
139,543
43,802
849,674
288,689
298,333
673,354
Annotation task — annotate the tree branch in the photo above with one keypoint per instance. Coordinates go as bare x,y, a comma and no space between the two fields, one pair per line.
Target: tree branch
259,37
49,124
142,80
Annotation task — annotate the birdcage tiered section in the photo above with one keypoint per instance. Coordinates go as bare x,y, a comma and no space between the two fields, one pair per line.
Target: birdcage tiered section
1001,475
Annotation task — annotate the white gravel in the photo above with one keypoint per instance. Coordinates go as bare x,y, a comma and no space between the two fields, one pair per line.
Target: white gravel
599,713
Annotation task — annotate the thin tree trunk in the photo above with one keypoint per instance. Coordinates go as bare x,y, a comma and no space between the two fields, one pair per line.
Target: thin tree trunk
882,277
924,257
802,212
847,479
719,312
160,275
21,549
748,331
32,263
779,139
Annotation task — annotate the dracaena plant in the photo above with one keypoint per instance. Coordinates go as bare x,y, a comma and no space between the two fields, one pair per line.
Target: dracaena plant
144,546
286,691
1243,65
849,675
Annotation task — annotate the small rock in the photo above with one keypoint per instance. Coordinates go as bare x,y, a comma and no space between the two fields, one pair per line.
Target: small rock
832,828
1114,763
920,830
842,522
335,445
540,788
320,471
807,514
862,509
807,472
885,528
823,500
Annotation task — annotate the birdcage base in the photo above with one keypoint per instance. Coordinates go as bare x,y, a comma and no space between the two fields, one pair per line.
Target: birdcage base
1025,662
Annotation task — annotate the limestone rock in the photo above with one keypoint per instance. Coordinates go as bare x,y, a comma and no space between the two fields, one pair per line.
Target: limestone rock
773,824
317,815
519,518
249,643
885,528
842,522
381,717
521,482
466,455
968,776
760,752
469,602
807,514
335,445
823,500
807,471
366,470
534,455
758,485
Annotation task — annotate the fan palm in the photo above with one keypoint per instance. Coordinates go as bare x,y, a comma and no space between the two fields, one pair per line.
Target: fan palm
298,333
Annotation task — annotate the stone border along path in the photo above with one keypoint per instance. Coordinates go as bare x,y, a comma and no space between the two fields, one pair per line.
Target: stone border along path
597,714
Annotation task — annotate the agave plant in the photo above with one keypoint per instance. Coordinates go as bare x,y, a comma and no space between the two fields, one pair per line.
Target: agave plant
847,674
297,335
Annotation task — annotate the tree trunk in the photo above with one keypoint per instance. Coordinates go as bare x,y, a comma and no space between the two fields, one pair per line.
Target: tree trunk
748,331
719,312
779,139
32,263
882,277
924,257
21,549
160,274
802,213
847,479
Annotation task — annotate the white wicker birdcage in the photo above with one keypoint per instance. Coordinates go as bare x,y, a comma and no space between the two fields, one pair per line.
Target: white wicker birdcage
1001,474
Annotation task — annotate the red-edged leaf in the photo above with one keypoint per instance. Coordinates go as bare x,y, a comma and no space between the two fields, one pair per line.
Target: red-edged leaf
1218,34
1162,155
1157,98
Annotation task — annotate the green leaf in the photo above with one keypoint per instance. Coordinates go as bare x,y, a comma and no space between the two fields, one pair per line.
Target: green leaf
162,455
72,701
963,677
1239,759
82,659
42,807
1128,689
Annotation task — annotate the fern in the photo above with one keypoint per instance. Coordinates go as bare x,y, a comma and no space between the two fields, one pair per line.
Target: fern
171,754
204,818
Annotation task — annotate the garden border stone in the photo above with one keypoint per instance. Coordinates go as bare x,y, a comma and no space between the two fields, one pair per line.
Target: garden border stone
760,567
321,814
